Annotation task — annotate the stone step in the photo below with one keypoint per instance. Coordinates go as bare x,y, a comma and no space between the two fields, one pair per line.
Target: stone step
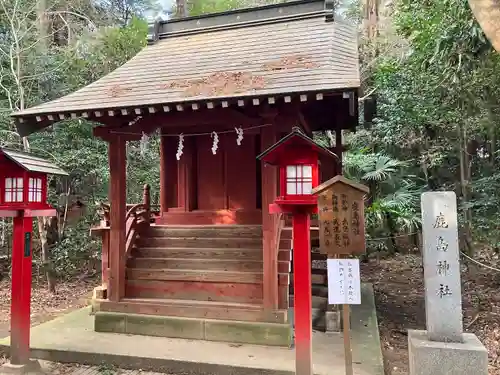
260,333
201,276
200,242
318,319
194,309
198,253
205,231
195,290
203,264
320,278
317,302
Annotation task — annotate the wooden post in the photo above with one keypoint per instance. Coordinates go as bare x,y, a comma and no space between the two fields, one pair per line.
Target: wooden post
302,293
270,256
339,149
117,239
105,258
185,181
21,290
163,175
346,322
146,200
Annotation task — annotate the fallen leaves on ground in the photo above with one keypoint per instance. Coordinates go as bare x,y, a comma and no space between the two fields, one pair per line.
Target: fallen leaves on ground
399,293
44,304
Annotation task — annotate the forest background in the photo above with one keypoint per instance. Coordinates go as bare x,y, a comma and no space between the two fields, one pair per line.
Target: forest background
426,64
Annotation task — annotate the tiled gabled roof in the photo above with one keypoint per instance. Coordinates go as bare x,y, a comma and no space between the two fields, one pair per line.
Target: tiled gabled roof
291,48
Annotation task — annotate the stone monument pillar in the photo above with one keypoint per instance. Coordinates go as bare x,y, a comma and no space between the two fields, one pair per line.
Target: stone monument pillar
443,349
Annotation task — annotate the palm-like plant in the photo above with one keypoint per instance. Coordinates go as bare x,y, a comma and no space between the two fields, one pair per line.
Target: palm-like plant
393,200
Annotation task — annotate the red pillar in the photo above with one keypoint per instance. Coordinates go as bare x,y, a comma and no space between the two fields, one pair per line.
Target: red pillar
302,293
163,175
118,206
270,255
21,290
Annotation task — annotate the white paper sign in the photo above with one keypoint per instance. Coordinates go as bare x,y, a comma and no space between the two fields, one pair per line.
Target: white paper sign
344,282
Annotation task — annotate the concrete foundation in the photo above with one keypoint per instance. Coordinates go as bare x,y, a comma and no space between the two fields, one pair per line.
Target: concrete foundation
193,328
71,338
446,358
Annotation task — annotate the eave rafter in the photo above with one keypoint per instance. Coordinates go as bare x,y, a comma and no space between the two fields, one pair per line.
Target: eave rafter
113,115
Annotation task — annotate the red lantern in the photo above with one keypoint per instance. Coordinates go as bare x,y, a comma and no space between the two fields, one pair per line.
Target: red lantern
23,183
297,156
23,195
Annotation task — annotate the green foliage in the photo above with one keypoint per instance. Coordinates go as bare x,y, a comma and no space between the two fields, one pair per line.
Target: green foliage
393,199
438,106
50,72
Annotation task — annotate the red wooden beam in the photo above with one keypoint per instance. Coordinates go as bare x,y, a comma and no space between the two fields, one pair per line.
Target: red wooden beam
108,133
269,192
117,239
49,212
302,293
9,213
163,175
21,290
148,123
304,123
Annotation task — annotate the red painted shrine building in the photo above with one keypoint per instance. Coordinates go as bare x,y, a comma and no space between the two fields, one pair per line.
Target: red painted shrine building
220,89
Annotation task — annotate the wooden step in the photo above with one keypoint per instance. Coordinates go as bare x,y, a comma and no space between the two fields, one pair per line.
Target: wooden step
210,231
194,309
201,276
198,253
203,264
195,275
193,290
197,242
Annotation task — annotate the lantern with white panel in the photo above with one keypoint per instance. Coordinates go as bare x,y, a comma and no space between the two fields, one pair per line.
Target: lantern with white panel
23,195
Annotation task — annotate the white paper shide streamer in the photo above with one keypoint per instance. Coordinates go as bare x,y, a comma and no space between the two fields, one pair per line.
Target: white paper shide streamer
239,133
180,147
215,145
144,143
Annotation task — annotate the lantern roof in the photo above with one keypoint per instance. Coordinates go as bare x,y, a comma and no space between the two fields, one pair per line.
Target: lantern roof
274,153
340,179
32,163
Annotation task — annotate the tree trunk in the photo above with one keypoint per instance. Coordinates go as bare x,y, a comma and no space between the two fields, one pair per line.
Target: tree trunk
49,236
465,174
47,227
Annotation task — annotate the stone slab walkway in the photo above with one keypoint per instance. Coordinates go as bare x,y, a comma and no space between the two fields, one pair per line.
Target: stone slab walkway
51,368
72,339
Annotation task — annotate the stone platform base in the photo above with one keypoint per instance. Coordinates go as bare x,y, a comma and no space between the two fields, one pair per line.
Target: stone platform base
32,367
441,358
193,328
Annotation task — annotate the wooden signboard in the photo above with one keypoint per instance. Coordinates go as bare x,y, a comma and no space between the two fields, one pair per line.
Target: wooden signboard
341,216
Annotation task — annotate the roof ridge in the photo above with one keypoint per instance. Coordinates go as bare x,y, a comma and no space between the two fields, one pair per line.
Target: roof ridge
246,17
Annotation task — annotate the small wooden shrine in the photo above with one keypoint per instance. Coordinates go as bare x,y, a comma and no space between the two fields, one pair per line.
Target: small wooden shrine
219,90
